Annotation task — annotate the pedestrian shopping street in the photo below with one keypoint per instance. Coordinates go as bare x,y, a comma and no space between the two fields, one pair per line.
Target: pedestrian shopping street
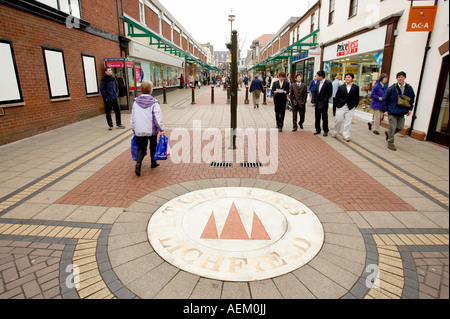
227,160
70,198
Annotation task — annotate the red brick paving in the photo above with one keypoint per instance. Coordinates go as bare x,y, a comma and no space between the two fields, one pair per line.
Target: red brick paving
304,160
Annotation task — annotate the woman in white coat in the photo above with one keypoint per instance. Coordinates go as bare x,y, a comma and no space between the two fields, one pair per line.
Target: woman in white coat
146,123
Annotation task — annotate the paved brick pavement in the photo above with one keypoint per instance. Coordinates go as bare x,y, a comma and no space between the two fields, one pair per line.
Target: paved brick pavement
70,197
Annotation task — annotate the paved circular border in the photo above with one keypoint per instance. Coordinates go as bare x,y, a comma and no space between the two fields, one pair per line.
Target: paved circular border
330,275
258,244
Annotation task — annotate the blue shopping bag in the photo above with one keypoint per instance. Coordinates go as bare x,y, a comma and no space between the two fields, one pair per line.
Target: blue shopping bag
161,149
134,148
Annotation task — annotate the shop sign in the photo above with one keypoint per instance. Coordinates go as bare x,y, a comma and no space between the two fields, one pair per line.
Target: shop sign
421,19
348,47
315,52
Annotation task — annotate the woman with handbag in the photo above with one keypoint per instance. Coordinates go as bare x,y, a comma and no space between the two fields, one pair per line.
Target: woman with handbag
397,102
146,123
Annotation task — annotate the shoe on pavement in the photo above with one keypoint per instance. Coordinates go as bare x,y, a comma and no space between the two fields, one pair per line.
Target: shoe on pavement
392,147
154,165
347,140
294,129
325,134
376,132
110,128
121,126
316,133
137,170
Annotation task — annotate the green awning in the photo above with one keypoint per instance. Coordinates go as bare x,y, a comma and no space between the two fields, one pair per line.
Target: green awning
297,47
136,30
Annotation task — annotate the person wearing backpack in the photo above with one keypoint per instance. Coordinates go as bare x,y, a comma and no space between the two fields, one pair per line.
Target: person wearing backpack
398,102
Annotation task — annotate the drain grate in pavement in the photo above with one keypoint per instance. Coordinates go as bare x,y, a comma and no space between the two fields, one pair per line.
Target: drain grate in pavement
251,164
221,164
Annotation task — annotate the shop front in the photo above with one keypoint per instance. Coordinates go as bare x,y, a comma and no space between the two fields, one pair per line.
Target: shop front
361,55
125,73
304,64
164,70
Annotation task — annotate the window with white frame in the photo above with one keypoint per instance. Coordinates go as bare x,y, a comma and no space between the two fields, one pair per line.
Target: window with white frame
71,7
10,90
90,74
56,72
142,11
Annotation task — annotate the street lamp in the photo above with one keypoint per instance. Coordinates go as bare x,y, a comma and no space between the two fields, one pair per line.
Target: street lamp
231,19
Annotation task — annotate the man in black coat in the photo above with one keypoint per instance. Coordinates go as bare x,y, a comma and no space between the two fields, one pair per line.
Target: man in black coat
321,98
344,106
110,92
280,90
299,93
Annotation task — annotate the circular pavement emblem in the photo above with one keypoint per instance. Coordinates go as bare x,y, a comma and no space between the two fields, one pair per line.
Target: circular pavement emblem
236,234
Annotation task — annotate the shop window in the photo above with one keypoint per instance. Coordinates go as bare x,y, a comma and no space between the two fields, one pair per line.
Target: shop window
331,13
71,7
10,90
90,74
353,8
56,72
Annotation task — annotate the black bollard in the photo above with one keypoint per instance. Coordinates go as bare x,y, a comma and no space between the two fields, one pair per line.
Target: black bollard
164,95
246,96
212,94
193,95
265,96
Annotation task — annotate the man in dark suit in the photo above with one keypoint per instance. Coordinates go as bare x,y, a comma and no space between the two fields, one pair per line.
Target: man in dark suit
280,90
298,94
344,106
321,98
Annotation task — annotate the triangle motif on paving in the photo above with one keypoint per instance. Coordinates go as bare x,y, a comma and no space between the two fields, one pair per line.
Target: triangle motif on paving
210,231
258,230
234,228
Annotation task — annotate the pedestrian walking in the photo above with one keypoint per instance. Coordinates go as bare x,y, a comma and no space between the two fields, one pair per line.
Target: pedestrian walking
246,80
336,83
298,95
344,106
312,88
377,94
181,81
280,90
256,88
146,123
397,102
109,87
320,99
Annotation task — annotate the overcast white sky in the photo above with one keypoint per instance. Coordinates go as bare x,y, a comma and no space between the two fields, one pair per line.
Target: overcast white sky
207,20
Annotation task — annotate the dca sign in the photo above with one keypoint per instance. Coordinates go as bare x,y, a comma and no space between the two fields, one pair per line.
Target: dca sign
421,18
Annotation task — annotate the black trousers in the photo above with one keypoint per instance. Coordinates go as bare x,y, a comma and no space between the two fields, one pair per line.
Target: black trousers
109,106
322,114
300,109
142,143
280,113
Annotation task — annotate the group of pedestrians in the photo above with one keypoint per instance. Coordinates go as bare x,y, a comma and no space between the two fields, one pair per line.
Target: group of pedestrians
394,102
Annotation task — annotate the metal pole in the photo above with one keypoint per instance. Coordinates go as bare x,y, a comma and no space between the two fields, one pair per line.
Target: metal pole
193,94
164,95
246,96
212,94
265,96
234,86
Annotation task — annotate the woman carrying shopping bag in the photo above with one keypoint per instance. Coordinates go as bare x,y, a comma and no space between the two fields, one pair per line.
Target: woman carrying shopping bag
146,123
